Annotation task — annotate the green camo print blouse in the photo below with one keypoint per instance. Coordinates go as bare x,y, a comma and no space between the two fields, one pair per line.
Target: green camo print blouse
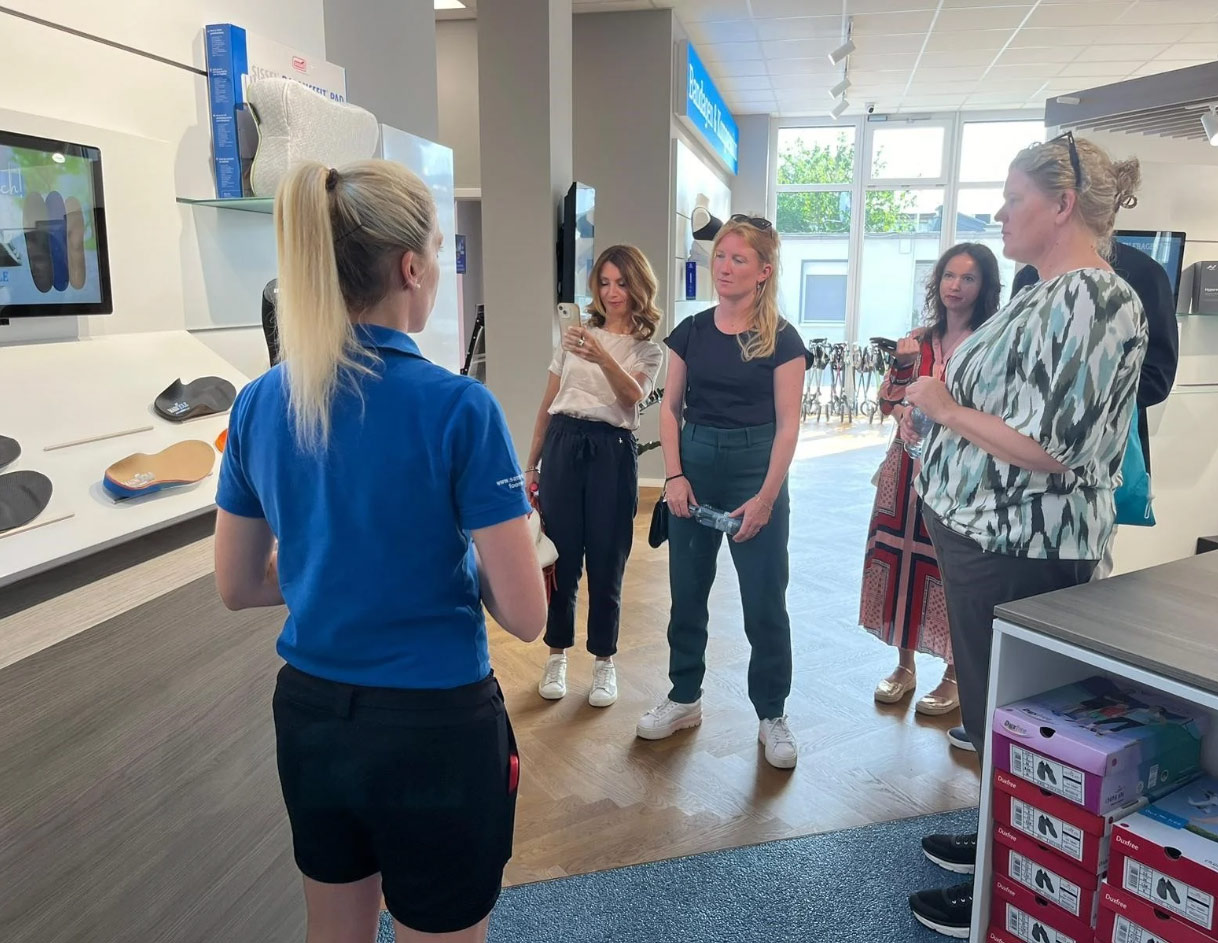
1060,363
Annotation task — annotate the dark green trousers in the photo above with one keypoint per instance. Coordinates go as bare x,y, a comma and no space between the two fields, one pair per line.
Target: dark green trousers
725,468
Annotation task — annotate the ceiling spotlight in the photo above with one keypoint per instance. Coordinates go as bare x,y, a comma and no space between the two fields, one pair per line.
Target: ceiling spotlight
1209,121
841,52
839,89
839,108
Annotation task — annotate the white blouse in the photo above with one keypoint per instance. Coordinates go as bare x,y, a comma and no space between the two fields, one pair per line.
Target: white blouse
585,393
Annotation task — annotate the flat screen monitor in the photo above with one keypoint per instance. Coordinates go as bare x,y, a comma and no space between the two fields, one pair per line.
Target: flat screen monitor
53,258
576,253
1165,247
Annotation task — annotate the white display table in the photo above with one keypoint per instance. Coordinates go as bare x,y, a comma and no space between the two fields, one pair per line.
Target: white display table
1157,628
65,392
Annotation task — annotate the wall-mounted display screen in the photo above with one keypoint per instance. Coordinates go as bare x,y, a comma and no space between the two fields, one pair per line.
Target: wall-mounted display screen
576,249
53,257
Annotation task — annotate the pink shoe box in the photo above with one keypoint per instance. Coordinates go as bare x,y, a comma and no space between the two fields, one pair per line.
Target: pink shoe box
1046,873
1128,919
1099,744
1167,854
1033,919
1079,836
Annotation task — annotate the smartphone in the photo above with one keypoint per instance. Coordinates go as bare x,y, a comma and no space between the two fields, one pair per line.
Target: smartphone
568,317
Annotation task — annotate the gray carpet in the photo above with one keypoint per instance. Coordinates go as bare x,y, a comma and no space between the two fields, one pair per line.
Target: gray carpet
841,887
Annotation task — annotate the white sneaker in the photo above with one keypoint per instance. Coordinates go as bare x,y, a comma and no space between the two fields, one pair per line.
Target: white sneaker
604,684
667,717
553,684
780,748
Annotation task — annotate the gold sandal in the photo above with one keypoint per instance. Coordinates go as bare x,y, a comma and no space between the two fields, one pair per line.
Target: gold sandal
889,691
933,705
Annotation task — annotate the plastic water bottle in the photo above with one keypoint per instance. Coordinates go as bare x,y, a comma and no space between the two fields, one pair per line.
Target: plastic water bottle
922,424
715,519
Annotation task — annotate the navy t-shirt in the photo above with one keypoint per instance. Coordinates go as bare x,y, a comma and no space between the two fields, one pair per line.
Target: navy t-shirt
376,563
722,389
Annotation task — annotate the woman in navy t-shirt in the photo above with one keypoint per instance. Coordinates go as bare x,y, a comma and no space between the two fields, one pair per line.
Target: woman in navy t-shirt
357,482
729,424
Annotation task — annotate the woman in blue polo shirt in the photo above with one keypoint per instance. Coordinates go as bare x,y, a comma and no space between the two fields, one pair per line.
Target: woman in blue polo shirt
379,497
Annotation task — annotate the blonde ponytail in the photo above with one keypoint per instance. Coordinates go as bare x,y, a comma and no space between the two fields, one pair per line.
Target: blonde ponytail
340,237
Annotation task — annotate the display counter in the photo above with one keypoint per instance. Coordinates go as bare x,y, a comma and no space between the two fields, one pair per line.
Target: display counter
1156,628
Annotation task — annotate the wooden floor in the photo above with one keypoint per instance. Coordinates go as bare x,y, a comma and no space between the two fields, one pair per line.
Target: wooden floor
593,796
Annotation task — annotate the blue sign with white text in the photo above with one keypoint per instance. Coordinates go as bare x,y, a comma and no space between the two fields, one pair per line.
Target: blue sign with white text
708,112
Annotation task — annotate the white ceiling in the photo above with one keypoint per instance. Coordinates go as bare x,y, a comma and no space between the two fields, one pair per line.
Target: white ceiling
771,56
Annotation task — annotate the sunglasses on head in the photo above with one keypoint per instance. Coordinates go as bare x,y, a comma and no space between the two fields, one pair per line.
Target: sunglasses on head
1068,137
759,222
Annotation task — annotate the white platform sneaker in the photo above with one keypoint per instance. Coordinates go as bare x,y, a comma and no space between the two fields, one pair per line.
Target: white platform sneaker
781,750
667,717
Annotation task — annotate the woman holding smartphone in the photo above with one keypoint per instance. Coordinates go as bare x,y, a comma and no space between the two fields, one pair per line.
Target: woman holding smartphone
586,455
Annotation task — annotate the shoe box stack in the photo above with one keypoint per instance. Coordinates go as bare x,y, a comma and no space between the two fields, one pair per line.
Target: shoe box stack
1163,880
1070,767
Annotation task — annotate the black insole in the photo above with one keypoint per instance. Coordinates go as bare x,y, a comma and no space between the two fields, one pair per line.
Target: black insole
202,397
23,496
9,450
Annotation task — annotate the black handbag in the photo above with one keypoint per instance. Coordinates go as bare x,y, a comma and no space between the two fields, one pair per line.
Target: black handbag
659,523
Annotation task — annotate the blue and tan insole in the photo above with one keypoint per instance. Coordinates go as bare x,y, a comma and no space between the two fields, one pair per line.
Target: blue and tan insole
202,397
181,464
23,496
9,450
54,241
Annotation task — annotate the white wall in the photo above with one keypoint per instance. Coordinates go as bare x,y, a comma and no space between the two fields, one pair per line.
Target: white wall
457,89
150,120
751,185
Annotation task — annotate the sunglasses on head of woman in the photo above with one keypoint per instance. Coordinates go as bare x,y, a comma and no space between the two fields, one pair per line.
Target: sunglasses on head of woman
758,222
1068,137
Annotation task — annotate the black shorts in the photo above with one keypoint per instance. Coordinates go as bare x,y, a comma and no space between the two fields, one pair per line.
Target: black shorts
417,785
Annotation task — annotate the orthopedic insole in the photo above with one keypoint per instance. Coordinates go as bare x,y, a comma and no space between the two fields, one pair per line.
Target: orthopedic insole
183,463
37,241
23,496
9,450
57,228
181,401
75,216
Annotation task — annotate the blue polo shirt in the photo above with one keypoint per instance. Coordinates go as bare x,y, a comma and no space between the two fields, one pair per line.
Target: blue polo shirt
376,563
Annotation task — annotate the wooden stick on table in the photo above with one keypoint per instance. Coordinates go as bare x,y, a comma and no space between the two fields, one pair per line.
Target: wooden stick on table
96,438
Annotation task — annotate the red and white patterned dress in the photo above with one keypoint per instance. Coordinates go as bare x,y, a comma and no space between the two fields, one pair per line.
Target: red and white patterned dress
902,601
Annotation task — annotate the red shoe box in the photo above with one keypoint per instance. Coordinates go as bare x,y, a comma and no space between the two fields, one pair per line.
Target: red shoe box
1046,874
1077,835
1128,919
1000,936
1032,919
1159,864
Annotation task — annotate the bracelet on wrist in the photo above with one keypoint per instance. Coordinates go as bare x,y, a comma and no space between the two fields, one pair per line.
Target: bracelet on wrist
674,477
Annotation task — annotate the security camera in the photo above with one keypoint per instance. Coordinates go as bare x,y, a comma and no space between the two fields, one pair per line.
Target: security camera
870,108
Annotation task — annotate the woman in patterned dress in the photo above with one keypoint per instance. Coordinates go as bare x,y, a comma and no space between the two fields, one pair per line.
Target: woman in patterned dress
902,600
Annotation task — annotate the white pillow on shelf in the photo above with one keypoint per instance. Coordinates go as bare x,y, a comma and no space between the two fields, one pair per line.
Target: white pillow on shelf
296,123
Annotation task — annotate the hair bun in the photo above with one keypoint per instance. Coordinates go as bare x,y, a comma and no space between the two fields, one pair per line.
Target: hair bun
1127,177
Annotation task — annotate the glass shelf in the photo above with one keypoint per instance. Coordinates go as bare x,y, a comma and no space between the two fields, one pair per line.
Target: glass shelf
251,204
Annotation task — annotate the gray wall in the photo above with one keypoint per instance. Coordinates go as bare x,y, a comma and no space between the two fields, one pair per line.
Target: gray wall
457,87
388,48
750,187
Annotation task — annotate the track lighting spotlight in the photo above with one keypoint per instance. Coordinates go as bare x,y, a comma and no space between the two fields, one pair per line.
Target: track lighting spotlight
1209,121
839,89
838,109
841,52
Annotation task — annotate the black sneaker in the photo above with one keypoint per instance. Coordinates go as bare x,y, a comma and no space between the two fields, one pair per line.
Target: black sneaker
959,739
948,911
957,853
1044,882
1045,771
1166,889
1045,826
1039,935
